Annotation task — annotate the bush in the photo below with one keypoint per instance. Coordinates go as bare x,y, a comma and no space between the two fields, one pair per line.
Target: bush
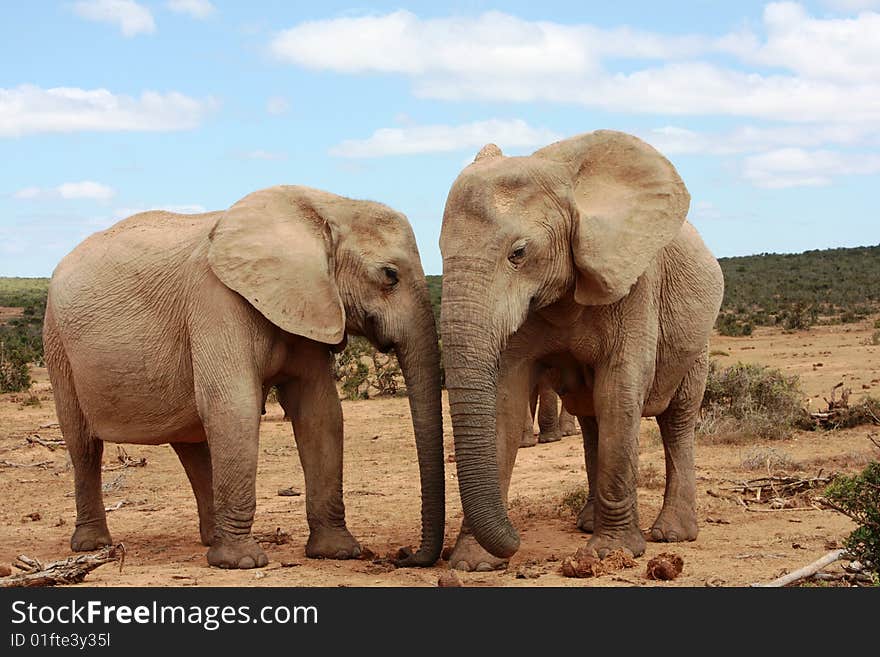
729,325
747,401
360,368
14,373
859,498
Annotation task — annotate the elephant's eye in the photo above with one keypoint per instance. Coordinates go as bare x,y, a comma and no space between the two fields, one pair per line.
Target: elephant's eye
391,275
516,256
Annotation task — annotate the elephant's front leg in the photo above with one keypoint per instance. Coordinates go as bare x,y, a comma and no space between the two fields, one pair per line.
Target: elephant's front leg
231,417
616,520
513,396
313,403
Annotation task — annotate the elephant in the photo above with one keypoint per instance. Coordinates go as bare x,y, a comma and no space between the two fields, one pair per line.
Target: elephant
169,328
576,260
553,423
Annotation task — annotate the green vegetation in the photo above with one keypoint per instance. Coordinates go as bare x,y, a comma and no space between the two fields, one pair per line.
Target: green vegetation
361,369
796,291
859,498
21,340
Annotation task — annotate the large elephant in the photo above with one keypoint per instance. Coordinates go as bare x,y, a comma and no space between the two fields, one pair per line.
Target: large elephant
170,328
578,260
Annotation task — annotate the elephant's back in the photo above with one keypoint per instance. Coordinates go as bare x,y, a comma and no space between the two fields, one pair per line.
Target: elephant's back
119,302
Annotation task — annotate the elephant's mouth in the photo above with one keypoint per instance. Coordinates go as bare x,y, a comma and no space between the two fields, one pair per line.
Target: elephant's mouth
373,333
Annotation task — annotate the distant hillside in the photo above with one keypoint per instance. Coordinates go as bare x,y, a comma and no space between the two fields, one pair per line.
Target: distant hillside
794,290
798,290
791,290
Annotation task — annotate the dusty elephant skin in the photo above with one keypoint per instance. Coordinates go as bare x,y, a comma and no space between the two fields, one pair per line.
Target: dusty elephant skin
171,328
575,263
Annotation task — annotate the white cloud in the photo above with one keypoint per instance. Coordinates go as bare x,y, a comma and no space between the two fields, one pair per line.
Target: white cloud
132,18
807,69
852,5
277,105
28,109
796,167
198,9
493,43
412,139
837,49
85,189
28,193
675,140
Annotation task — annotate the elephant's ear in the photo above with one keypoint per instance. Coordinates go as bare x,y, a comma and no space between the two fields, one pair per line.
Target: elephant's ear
275,249
629,203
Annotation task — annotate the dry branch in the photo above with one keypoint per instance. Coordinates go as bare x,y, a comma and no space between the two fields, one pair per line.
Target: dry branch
806,571
10,464
72,570
125,461
50,443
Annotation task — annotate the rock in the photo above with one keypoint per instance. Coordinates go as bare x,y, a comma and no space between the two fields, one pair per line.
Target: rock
665,566
5,571
289,492
449,579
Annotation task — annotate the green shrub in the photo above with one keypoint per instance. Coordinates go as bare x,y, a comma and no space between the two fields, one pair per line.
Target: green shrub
15,375
858,497
746,401
360,368
729,325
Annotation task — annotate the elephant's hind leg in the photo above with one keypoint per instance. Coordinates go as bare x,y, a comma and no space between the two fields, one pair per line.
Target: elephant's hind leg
548,416
196,461
678,517
84,448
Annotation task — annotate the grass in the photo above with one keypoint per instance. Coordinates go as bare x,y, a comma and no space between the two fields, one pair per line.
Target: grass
769,459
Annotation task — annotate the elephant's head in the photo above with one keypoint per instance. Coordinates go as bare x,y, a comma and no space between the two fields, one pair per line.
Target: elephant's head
321,266
585,216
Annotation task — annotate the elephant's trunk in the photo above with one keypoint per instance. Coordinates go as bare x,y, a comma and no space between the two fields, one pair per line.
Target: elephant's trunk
470,356
419,356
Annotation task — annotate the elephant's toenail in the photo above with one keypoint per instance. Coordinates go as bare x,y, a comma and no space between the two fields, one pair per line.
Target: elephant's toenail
483,567
462,565
246,562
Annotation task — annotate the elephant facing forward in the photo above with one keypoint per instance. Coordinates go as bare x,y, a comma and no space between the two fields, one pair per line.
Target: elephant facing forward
576,260
171,328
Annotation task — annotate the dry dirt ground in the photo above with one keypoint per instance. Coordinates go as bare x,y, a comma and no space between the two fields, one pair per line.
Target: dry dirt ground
156,516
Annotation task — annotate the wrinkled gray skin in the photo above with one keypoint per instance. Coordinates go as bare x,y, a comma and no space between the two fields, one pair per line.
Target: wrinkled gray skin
172,329
576,260
553,423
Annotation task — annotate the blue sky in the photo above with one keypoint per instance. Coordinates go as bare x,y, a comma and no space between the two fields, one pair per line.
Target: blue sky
770,111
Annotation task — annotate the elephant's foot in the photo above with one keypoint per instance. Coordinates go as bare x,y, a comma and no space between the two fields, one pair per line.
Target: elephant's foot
675,524
528,439
90,537
206,532
586,518
569,428
332,543
236,553
606,541
550,436
470,555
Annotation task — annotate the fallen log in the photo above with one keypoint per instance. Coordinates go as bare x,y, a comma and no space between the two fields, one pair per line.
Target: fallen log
806,571
72,570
